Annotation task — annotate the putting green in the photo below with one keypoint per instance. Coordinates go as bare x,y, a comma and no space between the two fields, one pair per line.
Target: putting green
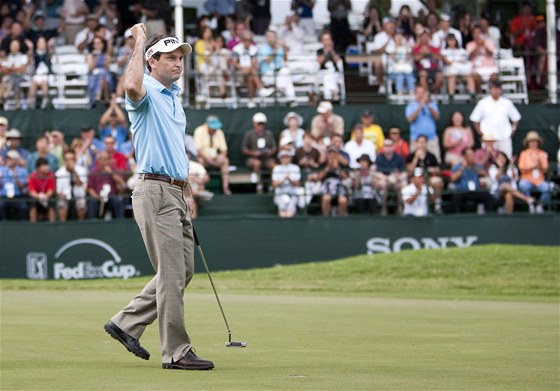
54,340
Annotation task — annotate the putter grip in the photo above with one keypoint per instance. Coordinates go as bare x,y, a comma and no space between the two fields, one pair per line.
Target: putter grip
195,237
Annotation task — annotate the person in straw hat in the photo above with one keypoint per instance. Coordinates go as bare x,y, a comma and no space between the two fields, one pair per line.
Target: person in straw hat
533,167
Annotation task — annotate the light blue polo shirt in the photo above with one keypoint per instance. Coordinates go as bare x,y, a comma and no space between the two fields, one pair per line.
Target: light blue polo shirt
424,124
158,129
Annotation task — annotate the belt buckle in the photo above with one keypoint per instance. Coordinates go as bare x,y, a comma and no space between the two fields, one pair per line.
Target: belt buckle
172,181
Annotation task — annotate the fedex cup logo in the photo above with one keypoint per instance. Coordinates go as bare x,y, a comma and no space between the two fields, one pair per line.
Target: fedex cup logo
85,269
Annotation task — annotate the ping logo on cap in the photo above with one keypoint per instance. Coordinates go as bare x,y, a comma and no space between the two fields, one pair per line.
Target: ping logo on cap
166,45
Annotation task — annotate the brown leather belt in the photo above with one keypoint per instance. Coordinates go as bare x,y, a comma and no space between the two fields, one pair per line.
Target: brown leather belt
163,178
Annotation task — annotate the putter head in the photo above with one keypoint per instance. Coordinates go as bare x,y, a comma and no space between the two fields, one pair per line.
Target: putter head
233,344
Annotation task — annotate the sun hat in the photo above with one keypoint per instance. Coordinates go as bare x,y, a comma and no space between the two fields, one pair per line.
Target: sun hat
283,153
166,45
13,154
3,121
418,172
532,135
365,157
293,114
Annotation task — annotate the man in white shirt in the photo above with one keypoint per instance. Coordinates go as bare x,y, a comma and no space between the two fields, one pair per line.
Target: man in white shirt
359,146
71,187
416,195
440,37
496,115
379,46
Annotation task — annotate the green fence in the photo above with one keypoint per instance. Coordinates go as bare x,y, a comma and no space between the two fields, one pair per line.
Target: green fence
85,250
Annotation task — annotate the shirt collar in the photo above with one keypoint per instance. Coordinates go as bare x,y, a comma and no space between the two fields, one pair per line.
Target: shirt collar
175,89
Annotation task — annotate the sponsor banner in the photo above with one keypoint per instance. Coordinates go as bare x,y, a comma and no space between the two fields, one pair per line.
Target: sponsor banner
114,249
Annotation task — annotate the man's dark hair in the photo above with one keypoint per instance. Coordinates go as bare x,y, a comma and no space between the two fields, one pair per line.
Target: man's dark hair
149,43
41,162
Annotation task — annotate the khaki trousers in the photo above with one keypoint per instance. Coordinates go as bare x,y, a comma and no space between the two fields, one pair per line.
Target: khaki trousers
161,213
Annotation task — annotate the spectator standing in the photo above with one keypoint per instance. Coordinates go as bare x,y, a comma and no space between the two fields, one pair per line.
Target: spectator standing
424,159
304,10
38,30
41,151
457,137
416,195
405,20
71,188
522,26
73,13
359,146
497,115
391,175
85,36
325,124
260,147
105,185
533,165
286,180
372,131
332,177
212,149
124,53
490,32
261,16
42,189
13,187
340,27
330,67
363,178
400,146
465,176
216,66
422,116
536,61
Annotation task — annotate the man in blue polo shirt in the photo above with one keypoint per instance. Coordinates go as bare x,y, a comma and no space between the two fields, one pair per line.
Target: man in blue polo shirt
161,200
422,116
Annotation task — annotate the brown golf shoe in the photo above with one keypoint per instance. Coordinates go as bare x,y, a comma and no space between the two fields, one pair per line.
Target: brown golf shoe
189,362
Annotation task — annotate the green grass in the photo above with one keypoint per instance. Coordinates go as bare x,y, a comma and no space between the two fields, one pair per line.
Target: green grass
482,318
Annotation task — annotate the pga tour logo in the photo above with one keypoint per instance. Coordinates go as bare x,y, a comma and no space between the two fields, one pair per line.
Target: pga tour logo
84,269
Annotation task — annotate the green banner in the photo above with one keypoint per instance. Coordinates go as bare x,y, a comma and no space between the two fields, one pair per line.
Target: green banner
114,249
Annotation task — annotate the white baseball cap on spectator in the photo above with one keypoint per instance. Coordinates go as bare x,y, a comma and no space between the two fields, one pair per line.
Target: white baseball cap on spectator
324,107
445,17
4,121
13,133
13,154
259,118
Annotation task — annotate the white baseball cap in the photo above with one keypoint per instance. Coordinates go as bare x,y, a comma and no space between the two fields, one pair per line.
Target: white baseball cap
166,45
259,118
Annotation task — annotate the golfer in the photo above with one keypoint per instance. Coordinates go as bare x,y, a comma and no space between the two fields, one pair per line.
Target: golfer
161,200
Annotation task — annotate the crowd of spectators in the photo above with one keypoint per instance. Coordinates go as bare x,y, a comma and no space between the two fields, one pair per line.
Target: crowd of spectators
428,49
365,170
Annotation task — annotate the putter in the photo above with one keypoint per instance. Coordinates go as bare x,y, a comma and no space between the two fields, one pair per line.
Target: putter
229,343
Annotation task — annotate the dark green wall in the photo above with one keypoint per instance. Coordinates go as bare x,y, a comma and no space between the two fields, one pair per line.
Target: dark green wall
103,249
544,118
